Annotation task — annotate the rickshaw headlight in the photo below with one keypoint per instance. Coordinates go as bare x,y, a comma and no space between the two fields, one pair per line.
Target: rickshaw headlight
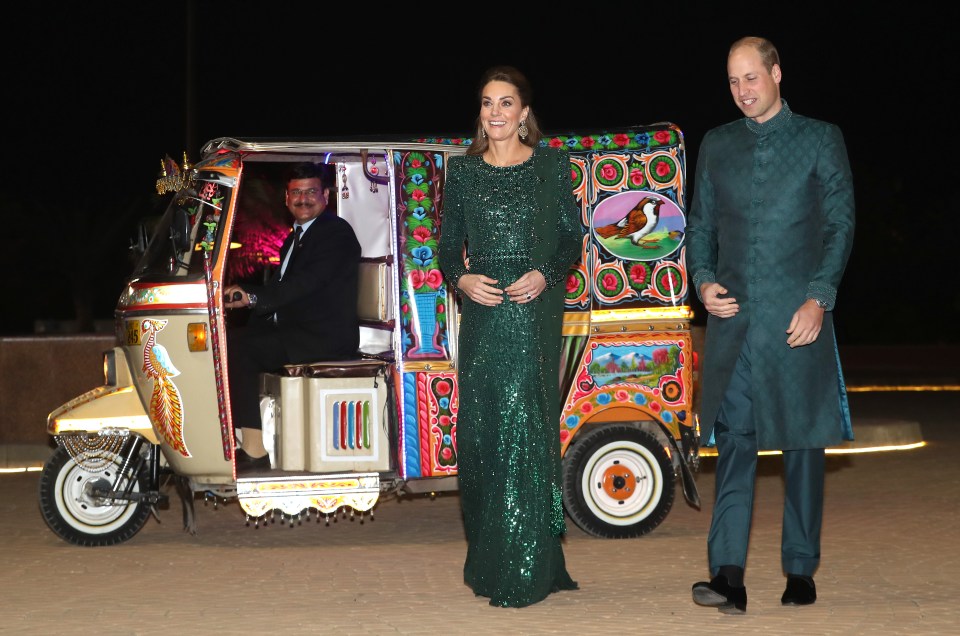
110,368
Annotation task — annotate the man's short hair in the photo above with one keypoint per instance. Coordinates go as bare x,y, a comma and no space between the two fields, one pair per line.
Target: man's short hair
310,170
768,52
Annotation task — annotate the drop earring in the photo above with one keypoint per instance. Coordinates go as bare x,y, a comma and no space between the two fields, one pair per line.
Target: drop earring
522,130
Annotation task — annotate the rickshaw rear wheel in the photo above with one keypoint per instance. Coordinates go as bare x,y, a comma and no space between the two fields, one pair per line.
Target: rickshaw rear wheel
76,515
618,482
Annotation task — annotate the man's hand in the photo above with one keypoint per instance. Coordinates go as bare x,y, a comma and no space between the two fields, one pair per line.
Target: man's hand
481,289
714,304
228,301
805,325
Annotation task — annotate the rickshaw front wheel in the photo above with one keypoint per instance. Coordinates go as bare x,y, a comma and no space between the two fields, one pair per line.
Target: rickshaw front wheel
73,510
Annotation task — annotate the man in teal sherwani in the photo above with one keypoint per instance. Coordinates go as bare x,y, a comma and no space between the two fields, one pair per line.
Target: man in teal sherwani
770,232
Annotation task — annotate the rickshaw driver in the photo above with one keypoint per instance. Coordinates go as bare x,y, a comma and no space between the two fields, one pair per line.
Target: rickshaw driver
307,312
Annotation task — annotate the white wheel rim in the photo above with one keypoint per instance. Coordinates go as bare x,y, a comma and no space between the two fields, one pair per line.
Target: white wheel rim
642,489
80,510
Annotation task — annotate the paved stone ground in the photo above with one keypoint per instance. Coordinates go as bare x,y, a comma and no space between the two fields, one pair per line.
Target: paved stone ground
890,562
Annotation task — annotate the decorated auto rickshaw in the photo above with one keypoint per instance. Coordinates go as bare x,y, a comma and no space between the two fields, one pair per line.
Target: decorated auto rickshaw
344,435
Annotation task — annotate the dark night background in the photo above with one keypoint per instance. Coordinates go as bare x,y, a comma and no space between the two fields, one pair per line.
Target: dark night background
97,94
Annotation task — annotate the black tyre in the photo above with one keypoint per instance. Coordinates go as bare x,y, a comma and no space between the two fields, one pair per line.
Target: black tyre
618,482
75,515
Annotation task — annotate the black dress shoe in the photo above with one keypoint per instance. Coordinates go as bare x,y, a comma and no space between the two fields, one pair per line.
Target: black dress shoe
720,594
247,464
801,590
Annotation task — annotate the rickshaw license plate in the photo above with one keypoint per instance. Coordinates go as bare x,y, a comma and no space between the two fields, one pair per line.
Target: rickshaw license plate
133,332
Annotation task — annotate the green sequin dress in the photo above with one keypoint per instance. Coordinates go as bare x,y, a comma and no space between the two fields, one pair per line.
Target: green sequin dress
512,219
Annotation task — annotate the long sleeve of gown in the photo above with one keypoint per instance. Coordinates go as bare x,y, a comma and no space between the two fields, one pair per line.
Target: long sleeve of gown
453,232
569,233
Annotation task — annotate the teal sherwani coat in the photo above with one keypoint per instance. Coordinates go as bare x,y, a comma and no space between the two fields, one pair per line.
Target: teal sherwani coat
772,220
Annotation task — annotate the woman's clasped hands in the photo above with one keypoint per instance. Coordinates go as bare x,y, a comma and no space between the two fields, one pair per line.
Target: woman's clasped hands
483,290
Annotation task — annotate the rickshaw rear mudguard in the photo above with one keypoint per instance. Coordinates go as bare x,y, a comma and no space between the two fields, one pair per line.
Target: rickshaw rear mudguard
605,394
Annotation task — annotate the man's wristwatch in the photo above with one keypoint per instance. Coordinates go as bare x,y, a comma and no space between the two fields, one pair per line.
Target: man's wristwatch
822,304
253,299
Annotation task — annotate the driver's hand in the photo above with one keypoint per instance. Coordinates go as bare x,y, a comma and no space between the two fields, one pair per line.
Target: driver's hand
234,297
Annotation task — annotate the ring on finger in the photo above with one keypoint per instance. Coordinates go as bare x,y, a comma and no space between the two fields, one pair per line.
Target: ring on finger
529,296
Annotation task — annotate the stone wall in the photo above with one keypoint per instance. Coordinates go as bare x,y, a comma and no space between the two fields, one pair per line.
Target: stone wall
38,374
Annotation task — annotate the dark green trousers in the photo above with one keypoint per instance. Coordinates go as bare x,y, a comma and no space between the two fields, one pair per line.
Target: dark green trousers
736,440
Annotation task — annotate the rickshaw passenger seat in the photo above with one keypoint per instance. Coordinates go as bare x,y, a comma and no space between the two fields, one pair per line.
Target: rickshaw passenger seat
374,306
302,395
374,311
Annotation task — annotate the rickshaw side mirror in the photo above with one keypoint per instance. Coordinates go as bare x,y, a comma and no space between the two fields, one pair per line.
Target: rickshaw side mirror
140,241
180,231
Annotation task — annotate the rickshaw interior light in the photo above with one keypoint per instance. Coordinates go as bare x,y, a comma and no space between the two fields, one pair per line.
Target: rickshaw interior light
197,336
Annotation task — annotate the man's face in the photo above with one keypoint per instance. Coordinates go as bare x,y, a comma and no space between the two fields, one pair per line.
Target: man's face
306,199
755,91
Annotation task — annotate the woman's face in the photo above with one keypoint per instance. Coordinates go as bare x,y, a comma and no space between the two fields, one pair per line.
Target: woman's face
500,110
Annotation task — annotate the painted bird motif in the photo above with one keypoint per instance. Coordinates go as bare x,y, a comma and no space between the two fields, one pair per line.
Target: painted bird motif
166,406
637,223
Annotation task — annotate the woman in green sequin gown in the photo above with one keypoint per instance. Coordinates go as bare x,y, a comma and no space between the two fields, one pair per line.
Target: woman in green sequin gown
510,202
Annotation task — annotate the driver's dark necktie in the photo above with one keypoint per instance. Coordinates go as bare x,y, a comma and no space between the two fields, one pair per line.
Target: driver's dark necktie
297,232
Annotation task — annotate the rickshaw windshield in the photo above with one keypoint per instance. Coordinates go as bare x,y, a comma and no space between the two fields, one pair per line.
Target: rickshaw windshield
189,227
